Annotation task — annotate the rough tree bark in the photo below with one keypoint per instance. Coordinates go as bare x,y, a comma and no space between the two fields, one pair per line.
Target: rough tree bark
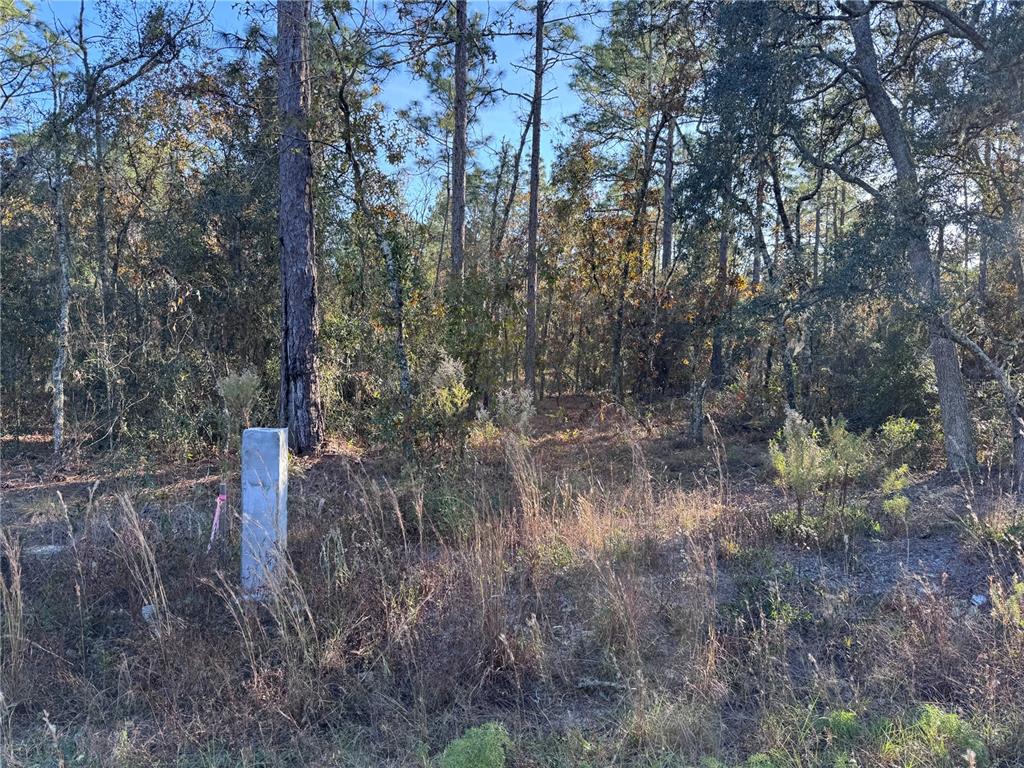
912,210
530,351
458,184
300,408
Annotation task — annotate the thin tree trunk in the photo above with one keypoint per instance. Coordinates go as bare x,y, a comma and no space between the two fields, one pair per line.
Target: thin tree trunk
63,249
530,351
578,368
668,214
514,185
300,387
956,425
492,226
717,366
544,340
103,260
760,247
697,413
458,184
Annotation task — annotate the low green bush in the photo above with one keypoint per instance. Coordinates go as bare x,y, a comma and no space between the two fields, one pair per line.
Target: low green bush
481,747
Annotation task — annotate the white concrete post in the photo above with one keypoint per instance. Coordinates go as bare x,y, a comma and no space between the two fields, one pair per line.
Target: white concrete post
264,507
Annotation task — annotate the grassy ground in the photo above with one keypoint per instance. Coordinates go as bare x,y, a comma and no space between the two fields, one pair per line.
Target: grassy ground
600,594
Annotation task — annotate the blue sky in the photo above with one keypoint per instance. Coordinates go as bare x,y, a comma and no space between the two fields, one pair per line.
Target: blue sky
503,119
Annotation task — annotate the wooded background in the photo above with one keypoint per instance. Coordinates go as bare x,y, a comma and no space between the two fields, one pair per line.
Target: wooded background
795,203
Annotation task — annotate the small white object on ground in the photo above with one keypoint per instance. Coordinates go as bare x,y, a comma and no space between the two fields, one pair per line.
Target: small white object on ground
978,600
264,508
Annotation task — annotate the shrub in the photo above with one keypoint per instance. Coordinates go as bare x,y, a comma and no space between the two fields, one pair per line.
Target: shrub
1008,604
896,436
934,737
513,409
441,406
482,747
896,504
946,735
447,393
797,459
483,430
239,392
847,457
447,511
843,727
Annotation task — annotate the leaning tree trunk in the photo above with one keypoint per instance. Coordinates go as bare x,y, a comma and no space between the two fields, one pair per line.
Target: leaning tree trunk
530,353
912,210
300,389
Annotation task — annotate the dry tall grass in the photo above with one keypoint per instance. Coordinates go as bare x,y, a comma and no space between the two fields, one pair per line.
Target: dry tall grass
634,623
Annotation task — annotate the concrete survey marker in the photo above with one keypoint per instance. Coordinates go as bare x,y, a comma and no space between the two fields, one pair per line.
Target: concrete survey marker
264,509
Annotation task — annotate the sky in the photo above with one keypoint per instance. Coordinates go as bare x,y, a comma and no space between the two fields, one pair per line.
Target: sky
503,119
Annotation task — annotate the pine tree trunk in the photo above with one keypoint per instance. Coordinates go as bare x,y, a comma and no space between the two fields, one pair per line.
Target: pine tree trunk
530,352
300,389
458,183
912,209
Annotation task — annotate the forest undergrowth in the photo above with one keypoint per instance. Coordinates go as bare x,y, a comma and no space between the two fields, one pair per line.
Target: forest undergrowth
597,592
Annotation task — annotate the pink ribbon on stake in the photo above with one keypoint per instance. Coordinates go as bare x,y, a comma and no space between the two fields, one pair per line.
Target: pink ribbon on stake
221,501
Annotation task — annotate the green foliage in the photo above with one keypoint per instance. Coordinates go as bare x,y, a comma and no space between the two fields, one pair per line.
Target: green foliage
883,372
933,737
440,411
847,458
896,437
763,760
797,458
945,735
513,409
896,504
447,511
842,727
239,392
847,455
446,394
1008,604
483,430
896,481
805,464
481,747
